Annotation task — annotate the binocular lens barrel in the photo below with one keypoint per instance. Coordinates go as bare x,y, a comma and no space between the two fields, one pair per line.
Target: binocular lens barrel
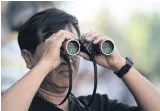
71,47
106,47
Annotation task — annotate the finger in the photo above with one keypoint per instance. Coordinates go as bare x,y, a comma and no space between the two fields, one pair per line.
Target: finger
53,35
90,39
74,37
68,34
108,38
88,36
89,33
63,37
71,34
95,35
56,36
92,36
98,39
85,36
84,55
59,32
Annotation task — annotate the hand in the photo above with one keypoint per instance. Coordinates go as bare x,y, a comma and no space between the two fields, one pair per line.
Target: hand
51,47
113,61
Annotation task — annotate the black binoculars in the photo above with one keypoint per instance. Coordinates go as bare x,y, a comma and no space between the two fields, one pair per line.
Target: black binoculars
73,47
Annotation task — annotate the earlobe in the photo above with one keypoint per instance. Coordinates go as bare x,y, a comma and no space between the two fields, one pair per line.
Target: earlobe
27,56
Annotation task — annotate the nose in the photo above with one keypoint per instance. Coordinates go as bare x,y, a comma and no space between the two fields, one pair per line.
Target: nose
63,61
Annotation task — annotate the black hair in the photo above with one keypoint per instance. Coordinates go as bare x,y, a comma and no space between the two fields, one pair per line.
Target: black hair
42,25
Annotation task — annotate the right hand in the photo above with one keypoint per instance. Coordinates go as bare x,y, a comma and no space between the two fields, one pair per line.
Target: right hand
52,46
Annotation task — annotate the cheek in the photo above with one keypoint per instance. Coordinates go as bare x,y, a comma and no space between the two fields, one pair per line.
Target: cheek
51,77
76,63
37,56
35,60
40,50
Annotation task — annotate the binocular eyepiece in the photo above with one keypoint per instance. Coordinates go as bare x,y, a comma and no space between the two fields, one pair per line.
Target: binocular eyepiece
73,47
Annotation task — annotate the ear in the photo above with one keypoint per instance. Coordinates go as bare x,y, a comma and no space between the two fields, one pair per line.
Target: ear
27,56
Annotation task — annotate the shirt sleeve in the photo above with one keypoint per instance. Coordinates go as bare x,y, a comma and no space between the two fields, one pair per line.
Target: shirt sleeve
114,105
103,103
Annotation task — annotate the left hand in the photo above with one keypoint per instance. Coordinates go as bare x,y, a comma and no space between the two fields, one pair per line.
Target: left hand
113,61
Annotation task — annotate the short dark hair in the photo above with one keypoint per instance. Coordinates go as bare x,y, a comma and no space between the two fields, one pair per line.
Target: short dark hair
42,25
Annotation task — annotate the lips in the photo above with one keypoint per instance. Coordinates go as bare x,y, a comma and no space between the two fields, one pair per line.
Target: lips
63,68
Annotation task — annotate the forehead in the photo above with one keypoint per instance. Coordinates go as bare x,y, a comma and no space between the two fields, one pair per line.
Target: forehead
71,28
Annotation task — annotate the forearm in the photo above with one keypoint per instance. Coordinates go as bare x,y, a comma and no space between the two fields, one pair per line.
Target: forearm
147,97
20,95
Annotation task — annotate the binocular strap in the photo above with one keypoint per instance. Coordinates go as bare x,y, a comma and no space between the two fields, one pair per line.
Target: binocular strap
70,78
70,81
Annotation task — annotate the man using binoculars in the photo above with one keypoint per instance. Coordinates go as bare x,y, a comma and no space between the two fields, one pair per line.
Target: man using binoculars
41,41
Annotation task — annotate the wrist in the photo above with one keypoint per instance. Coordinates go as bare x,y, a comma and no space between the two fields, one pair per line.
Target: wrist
119,64
47,65
125,68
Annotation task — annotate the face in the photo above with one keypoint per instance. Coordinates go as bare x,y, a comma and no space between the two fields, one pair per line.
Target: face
59,78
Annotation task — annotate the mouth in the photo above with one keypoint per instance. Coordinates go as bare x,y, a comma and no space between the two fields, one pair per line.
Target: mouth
64,70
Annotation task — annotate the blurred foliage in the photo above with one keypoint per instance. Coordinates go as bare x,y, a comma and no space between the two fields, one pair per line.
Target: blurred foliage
142,33
107,25
139,39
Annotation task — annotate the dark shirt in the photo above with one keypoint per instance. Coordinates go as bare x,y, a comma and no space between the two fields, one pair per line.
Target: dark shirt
100,103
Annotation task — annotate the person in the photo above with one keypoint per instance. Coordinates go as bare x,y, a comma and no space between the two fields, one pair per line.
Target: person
46,84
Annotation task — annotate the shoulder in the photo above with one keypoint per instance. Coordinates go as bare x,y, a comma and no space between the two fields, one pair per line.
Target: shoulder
101,102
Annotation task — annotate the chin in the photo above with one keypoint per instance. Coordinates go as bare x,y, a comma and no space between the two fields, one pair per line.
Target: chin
60,79
64,82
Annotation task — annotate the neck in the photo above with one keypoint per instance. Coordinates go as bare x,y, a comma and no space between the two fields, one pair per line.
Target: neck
54,94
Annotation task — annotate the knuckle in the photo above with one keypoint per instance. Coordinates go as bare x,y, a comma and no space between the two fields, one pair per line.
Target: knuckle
60,31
